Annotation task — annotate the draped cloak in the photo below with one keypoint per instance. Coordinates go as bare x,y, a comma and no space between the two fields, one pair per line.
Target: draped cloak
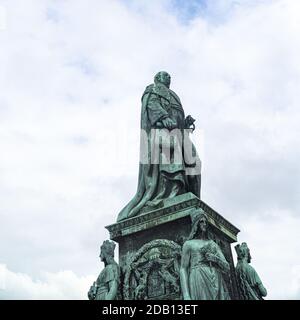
249,281
110,273
161,179
206,280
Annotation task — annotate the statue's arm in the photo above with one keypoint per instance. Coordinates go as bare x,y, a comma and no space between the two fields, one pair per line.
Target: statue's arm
258,283
262,290
219,259
185,261
113,278
224,265
156,113
113,289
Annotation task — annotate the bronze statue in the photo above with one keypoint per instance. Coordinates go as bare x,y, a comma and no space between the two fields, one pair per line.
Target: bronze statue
107,284
169,164
202,264
250,285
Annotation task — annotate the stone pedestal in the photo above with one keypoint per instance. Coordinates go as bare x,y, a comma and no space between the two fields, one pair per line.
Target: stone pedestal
150,247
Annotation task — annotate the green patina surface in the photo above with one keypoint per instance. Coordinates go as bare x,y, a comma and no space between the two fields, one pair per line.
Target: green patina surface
173,209
172,245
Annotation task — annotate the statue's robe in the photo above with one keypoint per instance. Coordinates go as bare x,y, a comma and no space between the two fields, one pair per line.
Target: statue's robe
249,281
206,280
102,285
160,180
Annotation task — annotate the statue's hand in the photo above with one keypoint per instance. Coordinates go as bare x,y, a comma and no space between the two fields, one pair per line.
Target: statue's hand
159,125
169,123
91,293
222,264
211,257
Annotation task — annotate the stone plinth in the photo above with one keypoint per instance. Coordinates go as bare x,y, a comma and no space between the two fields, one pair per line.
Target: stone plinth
151,242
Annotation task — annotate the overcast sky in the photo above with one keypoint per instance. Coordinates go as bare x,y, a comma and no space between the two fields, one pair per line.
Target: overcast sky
72,73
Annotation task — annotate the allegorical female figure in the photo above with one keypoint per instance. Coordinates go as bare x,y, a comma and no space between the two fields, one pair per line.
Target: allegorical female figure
169,164
107,284
250,285
202,264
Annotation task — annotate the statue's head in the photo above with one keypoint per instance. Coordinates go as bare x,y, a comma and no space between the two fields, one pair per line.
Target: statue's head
199,224
243,252
154,253
163,77
107,251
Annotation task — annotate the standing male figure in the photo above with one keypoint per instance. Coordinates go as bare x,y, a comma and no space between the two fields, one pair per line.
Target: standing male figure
162,174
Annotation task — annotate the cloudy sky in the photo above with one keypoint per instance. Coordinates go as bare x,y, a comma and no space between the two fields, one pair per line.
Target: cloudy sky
71,77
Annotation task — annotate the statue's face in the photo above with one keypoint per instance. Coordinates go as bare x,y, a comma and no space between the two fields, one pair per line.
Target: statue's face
166,79
248,256
102,255
202,224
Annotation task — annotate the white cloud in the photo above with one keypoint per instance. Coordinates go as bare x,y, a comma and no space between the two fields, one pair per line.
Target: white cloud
58,286
71,79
